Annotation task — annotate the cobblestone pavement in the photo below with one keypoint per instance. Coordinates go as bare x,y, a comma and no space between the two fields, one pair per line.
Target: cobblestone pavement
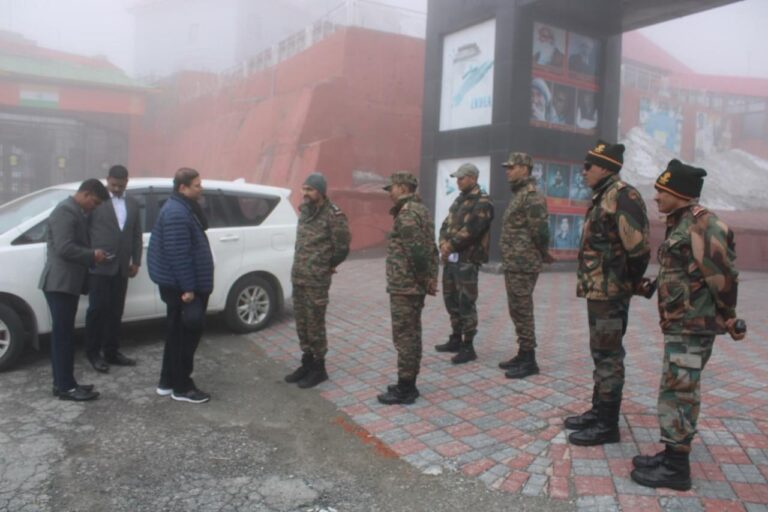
508,434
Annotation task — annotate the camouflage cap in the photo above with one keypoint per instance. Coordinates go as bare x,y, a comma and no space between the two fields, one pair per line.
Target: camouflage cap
466,170
402,178
516,158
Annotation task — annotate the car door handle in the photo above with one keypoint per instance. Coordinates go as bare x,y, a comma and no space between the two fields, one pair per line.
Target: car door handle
229,238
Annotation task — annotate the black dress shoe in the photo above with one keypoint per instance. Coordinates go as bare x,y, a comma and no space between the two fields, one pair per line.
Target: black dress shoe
98,364
79,394
119,359
86,387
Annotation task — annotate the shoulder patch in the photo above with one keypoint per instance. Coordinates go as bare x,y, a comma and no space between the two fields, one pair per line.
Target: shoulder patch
336,210
698,210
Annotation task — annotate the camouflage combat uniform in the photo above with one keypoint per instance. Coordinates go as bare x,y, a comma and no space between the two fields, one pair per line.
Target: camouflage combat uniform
412,263
613,256
322,243
467,230
697,288
524,244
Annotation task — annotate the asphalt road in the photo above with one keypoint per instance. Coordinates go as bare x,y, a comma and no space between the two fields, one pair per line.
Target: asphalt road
259,445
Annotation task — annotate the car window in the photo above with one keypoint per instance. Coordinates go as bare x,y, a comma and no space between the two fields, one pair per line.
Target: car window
215,208
250,210
140,195
14,213
212,204
34,235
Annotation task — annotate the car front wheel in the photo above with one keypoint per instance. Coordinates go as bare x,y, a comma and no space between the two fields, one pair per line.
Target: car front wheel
250,305
11,337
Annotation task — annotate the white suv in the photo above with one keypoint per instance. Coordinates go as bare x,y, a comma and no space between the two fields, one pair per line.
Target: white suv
252,231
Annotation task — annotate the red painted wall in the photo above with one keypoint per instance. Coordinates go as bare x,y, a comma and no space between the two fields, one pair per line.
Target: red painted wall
351,102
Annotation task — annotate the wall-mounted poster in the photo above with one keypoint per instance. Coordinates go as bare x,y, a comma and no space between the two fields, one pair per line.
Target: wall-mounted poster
565,231
579,191
467,85
582,55
446,189
548,46
564,80
558,180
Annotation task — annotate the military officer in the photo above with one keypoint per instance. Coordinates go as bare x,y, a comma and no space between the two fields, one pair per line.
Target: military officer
613,256
524,247
322,243
464,239
697,286
412,266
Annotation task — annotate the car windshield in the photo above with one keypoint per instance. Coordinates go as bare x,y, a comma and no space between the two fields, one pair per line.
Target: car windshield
15,212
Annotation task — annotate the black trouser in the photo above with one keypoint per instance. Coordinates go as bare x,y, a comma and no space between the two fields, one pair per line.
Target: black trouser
181,340
63,308
106,300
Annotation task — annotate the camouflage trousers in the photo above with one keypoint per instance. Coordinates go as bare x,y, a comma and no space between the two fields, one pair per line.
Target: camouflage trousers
607,325
406,333
520,287
685,356
309,305
460,296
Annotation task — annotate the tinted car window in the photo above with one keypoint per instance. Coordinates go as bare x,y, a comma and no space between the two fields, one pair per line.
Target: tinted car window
249,210
34,235
141,198
222,209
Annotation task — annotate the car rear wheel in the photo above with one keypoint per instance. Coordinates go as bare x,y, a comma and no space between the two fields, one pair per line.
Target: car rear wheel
11,337
251,304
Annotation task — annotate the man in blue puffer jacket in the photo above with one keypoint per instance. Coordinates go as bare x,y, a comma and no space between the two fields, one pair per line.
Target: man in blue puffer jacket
180,262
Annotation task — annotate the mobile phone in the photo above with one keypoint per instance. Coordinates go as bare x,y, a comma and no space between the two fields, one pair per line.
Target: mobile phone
109,256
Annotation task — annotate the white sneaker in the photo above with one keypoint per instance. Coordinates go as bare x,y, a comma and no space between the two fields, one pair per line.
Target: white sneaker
163,391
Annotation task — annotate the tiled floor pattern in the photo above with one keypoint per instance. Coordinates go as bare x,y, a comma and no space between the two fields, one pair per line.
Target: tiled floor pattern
509,434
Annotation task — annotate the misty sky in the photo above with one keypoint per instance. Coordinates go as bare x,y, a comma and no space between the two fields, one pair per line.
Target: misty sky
730,40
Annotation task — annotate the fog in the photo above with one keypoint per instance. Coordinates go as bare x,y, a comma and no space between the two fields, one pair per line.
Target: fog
729,40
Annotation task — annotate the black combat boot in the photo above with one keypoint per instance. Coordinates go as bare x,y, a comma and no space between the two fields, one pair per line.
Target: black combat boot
605,430
316,375
674,472
466,351
452,345
527,366
404,392
586,419
648,461
306,362
511,363
393,388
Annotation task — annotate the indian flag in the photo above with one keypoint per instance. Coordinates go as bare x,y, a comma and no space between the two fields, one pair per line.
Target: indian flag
39,98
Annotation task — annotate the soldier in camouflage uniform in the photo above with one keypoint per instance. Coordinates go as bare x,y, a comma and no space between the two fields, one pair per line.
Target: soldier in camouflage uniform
524,247
464,239
322,243
412,265
613,257
697,286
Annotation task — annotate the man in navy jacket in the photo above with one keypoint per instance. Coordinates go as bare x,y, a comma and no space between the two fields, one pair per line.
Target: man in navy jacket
180,262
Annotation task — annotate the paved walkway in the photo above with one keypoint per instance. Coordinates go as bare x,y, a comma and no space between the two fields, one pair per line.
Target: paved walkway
508,434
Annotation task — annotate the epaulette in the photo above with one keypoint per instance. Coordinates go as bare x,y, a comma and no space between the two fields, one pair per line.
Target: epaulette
336,210
620,185
531,187
697,210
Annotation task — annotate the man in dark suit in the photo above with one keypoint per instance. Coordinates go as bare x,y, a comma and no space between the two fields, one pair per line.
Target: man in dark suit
65,278
115,228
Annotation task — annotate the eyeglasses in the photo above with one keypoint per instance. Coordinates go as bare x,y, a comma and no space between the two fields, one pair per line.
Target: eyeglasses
587,166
